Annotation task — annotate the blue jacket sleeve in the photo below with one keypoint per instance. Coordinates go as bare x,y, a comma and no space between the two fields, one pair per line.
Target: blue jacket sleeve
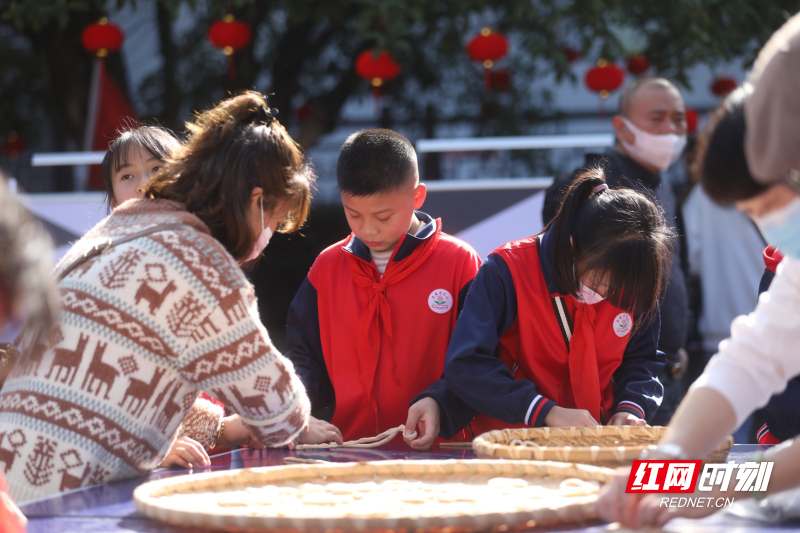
305,347
473,369
637,389
766,281
454,414
781,413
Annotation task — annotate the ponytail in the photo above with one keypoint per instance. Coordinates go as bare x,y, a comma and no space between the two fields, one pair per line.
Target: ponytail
231,149
616,235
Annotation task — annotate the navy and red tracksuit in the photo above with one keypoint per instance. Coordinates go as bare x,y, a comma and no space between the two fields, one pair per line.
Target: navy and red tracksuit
782,412
369,343
508,358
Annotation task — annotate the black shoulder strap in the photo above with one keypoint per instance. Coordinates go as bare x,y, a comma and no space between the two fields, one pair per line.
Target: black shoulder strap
559,305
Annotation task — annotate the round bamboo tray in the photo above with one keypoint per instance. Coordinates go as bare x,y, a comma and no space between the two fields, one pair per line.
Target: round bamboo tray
199,501
602,445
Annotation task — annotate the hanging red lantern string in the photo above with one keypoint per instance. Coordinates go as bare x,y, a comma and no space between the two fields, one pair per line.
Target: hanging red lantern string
102,37
723,86
692,119
377,70
604,79
230,35
638,64
303,111
499,80
14,145
570,54
487,48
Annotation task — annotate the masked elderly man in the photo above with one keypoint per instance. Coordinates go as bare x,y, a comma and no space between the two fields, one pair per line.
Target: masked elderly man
651,134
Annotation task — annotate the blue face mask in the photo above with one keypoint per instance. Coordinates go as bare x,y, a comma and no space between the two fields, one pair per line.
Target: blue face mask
782,228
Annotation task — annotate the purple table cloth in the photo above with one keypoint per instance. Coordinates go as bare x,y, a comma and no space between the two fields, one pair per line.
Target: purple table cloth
109,507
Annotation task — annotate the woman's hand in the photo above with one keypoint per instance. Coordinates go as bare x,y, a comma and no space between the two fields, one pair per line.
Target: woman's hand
319,432
646,510
236,433
186,453
562,417
626,419
425,415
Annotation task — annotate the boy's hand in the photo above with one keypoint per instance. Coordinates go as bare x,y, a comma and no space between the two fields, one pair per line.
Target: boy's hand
320,432
237,434
425,415
562,417
187,453
626,419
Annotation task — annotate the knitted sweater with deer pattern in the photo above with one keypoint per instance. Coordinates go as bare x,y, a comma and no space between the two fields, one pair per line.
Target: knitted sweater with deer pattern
144,328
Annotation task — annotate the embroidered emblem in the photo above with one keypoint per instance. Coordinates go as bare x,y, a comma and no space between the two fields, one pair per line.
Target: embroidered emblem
440,301
623,324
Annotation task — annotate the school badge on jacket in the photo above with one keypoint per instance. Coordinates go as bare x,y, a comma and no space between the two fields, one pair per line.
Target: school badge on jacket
623,324
440,301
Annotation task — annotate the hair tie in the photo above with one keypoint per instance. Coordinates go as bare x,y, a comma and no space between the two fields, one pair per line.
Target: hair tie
267,115
601,187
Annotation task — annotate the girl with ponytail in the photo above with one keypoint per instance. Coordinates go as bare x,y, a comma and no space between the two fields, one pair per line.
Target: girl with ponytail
560,329
156,309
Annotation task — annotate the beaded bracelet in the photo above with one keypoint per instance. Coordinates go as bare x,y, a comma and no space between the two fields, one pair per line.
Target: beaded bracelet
219,434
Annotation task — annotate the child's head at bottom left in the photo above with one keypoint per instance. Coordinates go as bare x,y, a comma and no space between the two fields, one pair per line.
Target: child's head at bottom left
133,159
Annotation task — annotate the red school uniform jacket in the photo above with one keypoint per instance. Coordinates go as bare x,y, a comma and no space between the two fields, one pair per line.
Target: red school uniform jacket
509,360
369,343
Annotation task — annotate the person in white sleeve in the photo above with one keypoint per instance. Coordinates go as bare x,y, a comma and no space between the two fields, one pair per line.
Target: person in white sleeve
763,352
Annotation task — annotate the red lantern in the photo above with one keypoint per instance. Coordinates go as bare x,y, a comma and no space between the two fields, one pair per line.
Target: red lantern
102,37
605,78
570,54
488,47
500,80
723,86
691,120
13,145
229,34
638,64
377,69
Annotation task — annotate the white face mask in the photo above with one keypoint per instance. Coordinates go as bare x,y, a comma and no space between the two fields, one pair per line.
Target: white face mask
588,296
660,151
782,228
263,238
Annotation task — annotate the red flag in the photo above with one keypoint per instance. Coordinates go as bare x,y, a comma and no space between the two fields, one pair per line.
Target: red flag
109,111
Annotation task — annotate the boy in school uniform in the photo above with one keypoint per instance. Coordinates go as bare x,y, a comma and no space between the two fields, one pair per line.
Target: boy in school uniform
369,328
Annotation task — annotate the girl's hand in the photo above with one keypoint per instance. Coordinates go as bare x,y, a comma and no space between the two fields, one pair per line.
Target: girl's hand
320,432
236,433
425,415
562,417
186,453
626,419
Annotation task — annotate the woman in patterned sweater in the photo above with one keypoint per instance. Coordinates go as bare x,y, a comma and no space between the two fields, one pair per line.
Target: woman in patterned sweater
151,322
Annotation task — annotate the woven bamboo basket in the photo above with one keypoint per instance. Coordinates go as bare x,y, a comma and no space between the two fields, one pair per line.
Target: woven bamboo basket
602,445
194,501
